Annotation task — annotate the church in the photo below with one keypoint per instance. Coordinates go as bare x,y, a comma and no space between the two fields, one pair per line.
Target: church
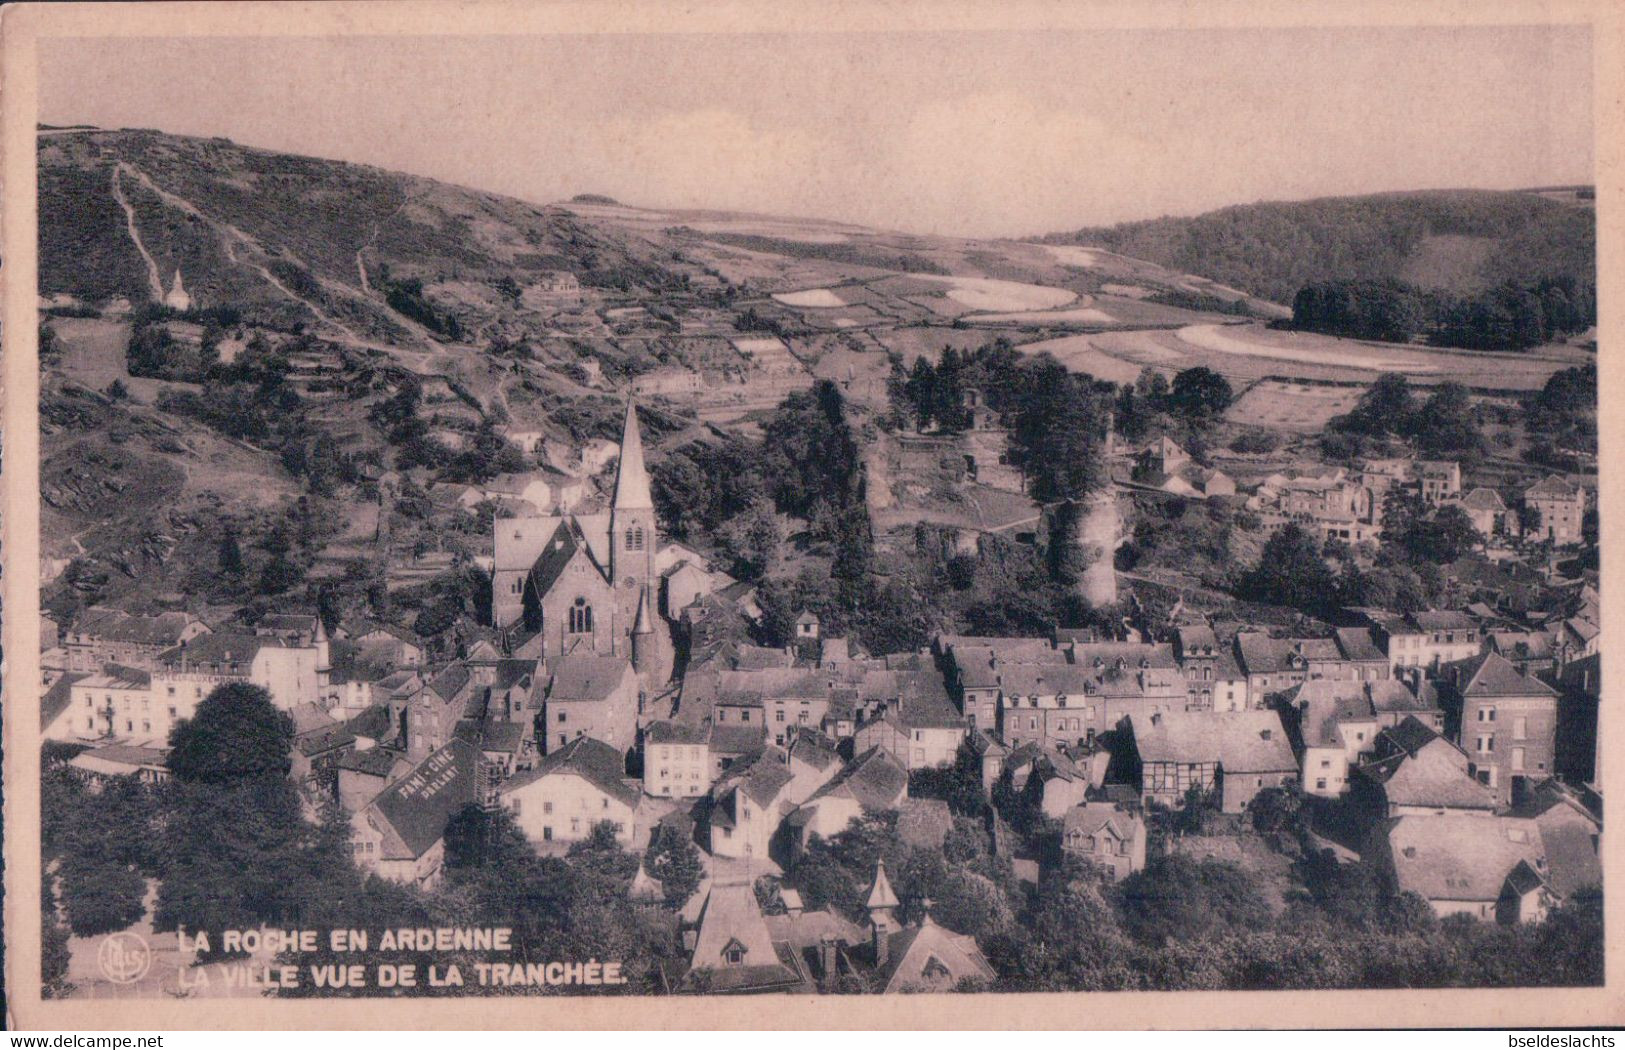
588,583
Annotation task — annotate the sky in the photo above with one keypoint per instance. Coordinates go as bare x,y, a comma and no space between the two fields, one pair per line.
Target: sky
975,133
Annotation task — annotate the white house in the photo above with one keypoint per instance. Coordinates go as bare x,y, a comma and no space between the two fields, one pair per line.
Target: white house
570,791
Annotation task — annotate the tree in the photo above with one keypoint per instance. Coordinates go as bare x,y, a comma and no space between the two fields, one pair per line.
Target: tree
1386,407
1290,571
1446,425
237,734
100,895
1179,899
230,557
674,860
1199,394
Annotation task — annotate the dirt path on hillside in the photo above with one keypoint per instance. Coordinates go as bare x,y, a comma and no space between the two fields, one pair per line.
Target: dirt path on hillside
155,279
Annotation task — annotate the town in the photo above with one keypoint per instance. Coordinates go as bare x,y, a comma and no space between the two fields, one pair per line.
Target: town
775,606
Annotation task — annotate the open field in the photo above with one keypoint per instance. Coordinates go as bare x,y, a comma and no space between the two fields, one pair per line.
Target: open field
816,298
1086,315
92,350
1258,342
1300,407
1079,353
987,293
1068,255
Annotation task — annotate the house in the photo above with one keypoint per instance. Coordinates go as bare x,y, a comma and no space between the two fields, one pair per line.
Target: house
1395,700
1107,836
1427,639
59,719
734,953
117,701
1275,665
749,805
1213,679
1236,754
147,764
593,696
1415,771
184,675
432,713
921,732
1559,505
1504,720
570,791
1490,868
1161,457
813,760
1571,831
1531,652
1486,510
1334,723
1075,703
921,958
387,643
1363,659
363,774
400,836
1440,480
874,782
100,635
1057,778
990,754
676,760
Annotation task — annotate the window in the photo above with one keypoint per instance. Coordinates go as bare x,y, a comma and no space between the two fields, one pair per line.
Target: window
1520,728
575,825
735,956
605,802
1320,783
514,805
581,617
1486,744
547,807
778,716
1517,760
561,717
634,538
547,834
1325,763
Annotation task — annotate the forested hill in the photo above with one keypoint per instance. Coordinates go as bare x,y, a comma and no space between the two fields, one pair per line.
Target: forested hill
1454,240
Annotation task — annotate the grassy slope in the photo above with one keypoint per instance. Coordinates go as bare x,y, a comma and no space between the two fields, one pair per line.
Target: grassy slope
1273,249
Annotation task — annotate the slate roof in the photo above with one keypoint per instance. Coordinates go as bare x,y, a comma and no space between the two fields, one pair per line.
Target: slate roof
217,651
1490,675
114,625
1356,643
813,747
909,949
1424,769
1089,817
1194,636
418,806
1552,487
592,760
582,677
676,733
1325,705
737,740
323,739
1536,645
1241,741
561,548
373,762
449,684
1485,500
874,780
731,918
1462,858
373,722
1442,620
1391,696
1572,861
57,698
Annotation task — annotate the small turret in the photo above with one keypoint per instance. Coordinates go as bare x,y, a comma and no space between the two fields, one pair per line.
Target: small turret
881,903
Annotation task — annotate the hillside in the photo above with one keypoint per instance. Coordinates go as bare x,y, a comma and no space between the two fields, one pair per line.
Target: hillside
1453,240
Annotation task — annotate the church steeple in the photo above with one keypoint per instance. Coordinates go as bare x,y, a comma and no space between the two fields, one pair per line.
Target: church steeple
631,478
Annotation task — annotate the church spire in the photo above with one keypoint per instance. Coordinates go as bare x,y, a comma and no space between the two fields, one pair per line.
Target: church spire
631,479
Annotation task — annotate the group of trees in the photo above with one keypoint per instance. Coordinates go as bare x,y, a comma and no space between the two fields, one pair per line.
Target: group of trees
1508,316
1444,425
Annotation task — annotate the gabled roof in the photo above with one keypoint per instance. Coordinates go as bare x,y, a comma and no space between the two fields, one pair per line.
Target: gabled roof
1325,706
731,918
373,762
1462,858
587,677
448,685
418,806
1090,817
1484,500
567,542
1490,675
114,625
910,950
593,760
1240,741
677,733
1552,487
1355,643
232,653
1442,620
874,780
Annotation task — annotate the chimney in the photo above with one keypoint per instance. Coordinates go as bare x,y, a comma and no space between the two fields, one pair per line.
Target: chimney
826,954
880,932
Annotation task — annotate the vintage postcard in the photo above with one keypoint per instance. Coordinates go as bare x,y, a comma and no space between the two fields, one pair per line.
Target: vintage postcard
1007,515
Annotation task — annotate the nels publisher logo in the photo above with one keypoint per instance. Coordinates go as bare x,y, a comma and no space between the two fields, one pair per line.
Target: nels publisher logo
124,957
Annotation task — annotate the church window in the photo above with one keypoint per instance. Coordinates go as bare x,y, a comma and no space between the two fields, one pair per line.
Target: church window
581,617
634,538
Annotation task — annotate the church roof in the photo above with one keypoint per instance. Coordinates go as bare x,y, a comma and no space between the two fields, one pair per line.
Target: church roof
631,478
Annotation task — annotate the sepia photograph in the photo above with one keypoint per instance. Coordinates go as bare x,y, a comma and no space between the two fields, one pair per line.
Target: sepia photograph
866,509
